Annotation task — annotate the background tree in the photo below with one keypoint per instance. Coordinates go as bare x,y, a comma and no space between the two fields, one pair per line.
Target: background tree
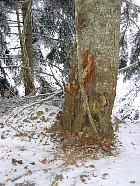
90,94
55,24
4,29
129,42
27,55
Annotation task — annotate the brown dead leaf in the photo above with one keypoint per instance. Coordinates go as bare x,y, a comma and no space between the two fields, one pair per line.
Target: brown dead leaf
45,170
114,152
105,148
29,172
44,161
80,134
54,183
39,113
2,158
15,162
67,133
46,130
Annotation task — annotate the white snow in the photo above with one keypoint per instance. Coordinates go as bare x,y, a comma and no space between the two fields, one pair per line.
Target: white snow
41,162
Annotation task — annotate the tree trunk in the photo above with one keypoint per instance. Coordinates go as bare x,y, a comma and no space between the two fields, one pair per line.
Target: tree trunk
27,48
90,92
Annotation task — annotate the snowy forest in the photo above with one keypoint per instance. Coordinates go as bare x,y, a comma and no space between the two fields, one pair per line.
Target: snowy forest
69,92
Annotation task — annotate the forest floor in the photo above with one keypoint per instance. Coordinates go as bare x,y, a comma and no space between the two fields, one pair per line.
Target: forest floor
30,155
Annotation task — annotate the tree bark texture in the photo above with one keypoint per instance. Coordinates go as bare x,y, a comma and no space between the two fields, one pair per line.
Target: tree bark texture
90,92
27,48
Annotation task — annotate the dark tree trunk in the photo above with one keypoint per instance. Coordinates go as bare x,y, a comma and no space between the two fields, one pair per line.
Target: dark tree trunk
28,53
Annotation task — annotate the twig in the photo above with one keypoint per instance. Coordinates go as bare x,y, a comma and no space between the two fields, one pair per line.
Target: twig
39,95
131,4
126,68
56,79
56,67
135,24
15,48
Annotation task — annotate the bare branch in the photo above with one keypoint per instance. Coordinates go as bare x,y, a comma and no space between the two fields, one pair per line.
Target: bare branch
131,4
41,101
126,68
56,79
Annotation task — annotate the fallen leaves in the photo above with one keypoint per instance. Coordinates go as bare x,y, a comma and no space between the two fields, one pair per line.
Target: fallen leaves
45,161
108,147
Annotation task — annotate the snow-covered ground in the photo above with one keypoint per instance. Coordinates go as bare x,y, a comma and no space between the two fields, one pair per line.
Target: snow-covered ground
35,159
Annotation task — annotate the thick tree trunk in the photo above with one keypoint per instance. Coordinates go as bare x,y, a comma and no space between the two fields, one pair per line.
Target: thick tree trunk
91,89
27,48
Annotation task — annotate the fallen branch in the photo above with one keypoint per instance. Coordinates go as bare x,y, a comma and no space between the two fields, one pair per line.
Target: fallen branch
41,101
35,103
9,125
